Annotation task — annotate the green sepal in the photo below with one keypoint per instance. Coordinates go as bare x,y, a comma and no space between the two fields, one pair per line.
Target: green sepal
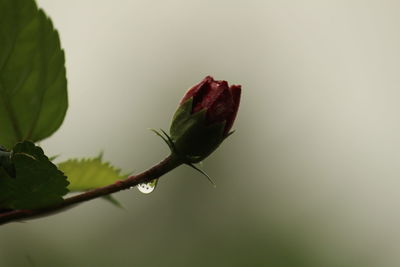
181,114
193,139
165,138
203,173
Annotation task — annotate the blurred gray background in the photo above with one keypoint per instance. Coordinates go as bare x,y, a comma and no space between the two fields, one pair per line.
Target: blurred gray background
310,178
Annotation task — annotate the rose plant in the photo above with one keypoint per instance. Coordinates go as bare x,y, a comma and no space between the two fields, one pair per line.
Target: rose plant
33,93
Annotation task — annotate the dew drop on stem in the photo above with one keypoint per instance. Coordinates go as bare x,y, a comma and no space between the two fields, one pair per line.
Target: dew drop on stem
147,188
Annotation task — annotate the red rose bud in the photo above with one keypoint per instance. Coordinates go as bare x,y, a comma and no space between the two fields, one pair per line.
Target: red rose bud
204,118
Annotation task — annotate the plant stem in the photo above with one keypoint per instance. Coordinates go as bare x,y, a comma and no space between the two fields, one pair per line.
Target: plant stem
168,164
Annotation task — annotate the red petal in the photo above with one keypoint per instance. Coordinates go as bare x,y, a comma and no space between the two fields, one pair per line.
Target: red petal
210,96
195,90
236,91
221,108
220,100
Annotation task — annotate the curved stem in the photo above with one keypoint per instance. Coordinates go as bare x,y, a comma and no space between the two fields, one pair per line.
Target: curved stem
168,164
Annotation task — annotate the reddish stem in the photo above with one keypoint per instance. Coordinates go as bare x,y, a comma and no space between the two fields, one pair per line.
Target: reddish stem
168,164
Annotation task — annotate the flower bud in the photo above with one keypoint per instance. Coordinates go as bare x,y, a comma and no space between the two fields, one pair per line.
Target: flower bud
204,118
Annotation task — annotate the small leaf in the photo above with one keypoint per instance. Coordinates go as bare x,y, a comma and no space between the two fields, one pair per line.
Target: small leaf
33,84
37,182
113,201
86,174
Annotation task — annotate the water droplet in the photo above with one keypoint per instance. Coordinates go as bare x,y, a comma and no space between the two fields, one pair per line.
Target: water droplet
147,188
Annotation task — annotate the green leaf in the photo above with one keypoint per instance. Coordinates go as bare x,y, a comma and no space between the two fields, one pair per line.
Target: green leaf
33,84
113,201
6,164
86,174
37,182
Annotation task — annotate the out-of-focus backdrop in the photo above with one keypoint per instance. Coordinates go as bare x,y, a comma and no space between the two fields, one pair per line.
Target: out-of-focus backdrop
310,178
